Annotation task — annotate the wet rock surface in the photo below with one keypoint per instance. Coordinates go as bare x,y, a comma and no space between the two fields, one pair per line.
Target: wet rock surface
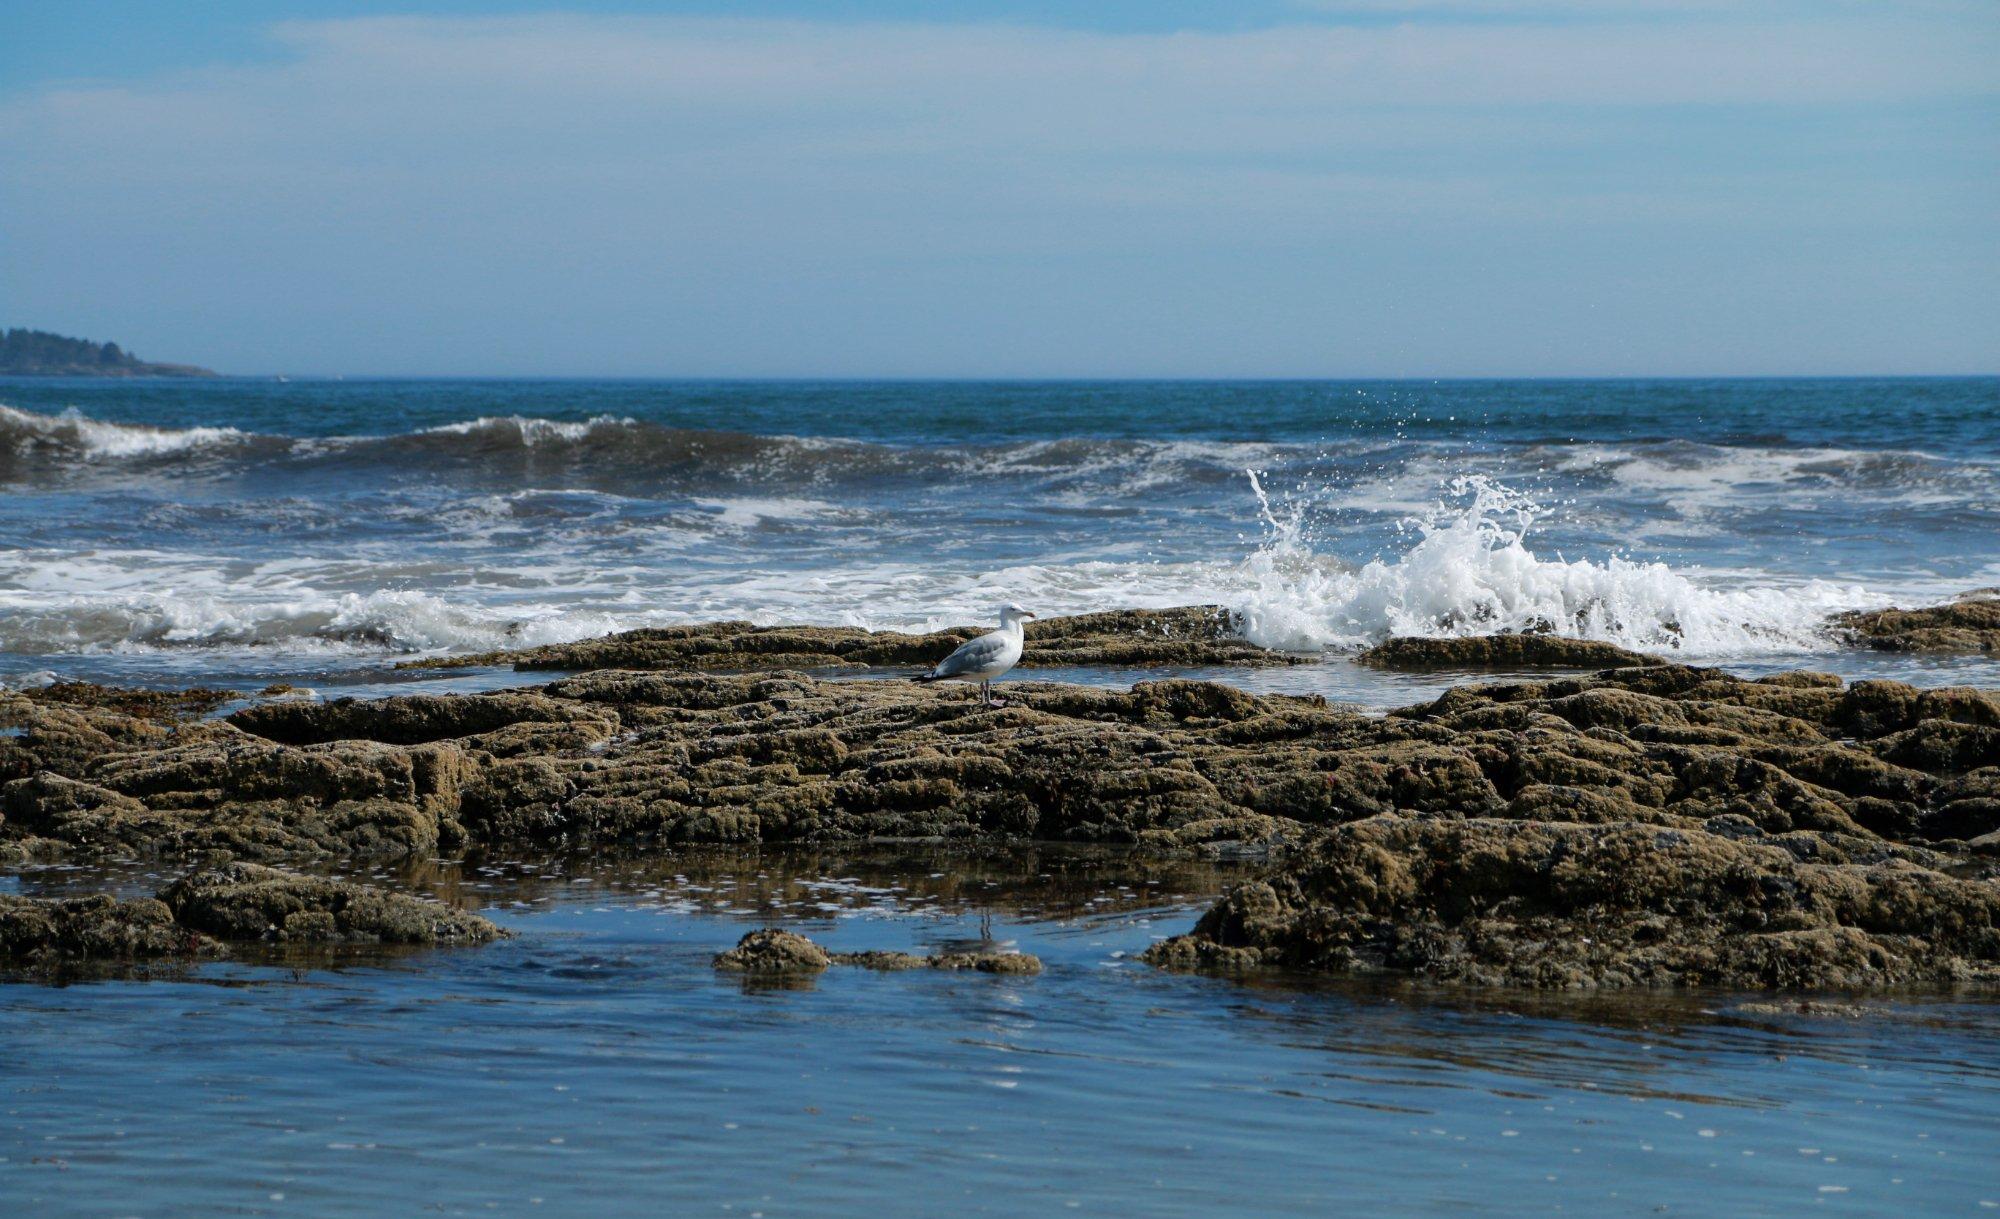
194,916
1663,826
49,932
245,901
776,951
1970,624
1553,905
1770,803
1193,635
1502,652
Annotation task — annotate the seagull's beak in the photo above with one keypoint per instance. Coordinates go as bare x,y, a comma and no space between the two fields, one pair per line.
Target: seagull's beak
1025,614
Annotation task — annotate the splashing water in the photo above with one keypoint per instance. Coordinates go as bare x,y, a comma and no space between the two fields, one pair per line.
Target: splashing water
1471,573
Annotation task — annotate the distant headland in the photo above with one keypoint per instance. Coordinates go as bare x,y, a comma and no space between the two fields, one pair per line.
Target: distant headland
37,353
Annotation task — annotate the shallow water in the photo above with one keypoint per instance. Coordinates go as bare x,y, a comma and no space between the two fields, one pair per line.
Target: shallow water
236,533
597,1064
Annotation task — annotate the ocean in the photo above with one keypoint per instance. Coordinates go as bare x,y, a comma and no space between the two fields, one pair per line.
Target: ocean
237,532
171,531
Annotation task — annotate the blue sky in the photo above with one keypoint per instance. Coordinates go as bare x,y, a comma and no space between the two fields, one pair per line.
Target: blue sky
1322,187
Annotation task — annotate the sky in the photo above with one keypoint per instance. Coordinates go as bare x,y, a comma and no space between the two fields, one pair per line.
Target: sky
919,188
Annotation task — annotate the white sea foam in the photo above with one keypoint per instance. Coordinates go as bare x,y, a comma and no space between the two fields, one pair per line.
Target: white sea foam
530,430
1697,479
1471,571
748,513
95,438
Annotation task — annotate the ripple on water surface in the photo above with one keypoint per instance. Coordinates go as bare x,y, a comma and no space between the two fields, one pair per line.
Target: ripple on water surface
597,1065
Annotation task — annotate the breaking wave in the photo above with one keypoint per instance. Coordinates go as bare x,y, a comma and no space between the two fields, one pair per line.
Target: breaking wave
606,452
1470,568
73,437
506,529
1471,572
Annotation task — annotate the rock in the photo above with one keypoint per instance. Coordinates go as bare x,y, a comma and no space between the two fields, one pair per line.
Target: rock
245,901
774,950
167,705
1968,625
240,902
1196,635
1831,781
984,962
1501,652
413,719
1968,807
1511,903
39,932
634,757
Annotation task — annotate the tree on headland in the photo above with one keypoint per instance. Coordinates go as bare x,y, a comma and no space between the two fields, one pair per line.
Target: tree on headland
37,353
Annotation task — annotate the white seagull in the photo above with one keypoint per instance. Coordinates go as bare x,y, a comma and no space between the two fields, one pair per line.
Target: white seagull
986,657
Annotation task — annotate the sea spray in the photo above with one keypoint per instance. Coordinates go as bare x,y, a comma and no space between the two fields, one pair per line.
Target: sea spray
1471,572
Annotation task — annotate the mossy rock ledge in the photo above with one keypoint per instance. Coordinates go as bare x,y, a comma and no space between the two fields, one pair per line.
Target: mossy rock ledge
1970,624
1501,652
200,914
1649,825
1190,635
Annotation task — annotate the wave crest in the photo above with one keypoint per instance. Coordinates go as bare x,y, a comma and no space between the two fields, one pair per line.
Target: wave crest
75,436
1471,572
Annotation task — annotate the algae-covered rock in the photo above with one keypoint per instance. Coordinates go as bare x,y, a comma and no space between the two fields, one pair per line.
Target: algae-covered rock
239,902
669,758
1575,906
983,962
1968,625
1796,785
50,931
1501,652
165,705
1196,635
412,719
774,950
245,901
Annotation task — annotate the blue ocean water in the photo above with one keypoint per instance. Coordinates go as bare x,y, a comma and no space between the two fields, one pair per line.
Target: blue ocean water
597,1065
236,531
153,529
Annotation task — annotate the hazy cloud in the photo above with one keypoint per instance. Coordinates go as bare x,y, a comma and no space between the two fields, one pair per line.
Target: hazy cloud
569,193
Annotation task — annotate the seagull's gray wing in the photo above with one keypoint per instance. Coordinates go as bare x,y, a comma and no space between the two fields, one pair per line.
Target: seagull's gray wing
972,656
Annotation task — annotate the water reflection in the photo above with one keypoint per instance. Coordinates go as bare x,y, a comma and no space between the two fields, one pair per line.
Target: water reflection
598,1063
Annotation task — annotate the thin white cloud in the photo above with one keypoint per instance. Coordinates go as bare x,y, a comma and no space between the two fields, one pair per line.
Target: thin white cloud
717,161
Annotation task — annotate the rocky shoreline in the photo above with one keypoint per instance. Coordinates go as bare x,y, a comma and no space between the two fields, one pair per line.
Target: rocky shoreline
1651,824
1191,635
200,915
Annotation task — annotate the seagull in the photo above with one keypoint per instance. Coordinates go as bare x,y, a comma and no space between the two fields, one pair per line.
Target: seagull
986,657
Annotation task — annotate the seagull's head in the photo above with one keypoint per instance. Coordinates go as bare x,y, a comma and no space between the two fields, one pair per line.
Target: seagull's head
1011,613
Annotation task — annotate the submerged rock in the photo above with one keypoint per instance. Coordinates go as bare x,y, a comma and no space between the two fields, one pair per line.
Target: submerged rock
1502,652
1511,903
983,962
1968,625
774,950
1195,635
